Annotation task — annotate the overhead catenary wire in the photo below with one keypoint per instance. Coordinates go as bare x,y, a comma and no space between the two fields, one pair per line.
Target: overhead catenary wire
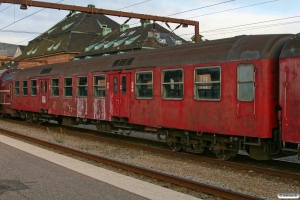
134,4
6,8
233,9
25,17
243,25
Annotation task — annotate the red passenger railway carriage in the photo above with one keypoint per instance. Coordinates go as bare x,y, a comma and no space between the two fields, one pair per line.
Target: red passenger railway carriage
290,92
222,95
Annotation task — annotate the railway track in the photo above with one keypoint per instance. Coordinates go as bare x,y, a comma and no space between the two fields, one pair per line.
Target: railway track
72,131
200,187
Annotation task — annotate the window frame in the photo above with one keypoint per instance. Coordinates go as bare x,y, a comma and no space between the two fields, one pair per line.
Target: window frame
94,86
195,83
31,87
54,87
64,86
162,83
238,82
17,87
87,86
135,79
24,87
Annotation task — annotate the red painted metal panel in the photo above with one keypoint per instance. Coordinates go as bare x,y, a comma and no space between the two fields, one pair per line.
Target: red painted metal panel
290,99
227,116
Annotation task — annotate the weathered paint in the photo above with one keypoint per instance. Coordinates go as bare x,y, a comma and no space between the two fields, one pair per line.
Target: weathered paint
290,98
227,116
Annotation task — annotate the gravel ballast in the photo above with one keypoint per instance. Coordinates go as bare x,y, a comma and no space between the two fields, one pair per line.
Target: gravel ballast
237,180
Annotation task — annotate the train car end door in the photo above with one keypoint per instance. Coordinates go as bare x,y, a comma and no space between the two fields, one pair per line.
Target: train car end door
44,95
120,94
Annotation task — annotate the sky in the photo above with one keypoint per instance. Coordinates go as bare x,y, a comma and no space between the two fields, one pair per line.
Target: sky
217,18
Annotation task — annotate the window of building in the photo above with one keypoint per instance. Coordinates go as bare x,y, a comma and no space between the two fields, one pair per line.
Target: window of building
99,86
33,85
82,85
172,84
144,85
208,83
24,88
17,87
55,87
245,82
68,87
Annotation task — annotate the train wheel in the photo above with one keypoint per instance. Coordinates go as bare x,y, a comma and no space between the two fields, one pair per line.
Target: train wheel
225,155
176,146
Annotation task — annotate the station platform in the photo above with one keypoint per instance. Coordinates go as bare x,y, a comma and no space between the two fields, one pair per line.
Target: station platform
30,172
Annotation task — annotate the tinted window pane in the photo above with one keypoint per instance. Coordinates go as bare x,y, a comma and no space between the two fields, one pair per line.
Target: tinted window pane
172,84
124,85
115,85
245,92
99,86
245,73
144,85
207,83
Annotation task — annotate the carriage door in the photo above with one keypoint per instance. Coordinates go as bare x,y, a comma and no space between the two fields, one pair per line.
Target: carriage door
120,94
43,98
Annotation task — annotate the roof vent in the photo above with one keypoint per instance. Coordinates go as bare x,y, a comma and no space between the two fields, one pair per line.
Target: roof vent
56,46
178,42
67,26
51,30
162,40
33,52
106,31
122,62
29,52
124,27
127,42
145,22
46,71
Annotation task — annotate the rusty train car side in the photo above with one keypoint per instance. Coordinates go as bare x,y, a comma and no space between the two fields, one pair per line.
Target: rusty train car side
222,95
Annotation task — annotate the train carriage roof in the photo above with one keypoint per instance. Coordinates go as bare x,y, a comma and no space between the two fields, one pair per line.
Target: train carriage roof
291,47
246,47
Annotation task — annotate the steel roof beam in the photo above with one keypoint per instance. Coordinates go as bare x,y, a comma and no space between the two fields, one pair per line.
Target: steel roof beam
105,12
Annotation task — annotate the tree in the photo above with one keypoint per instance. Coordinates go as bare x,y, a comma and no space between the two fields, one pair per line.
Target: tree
201,38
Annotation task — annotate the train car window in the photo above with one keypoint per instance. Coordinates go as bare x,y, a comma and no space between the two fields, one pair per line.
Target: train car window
33,86
207,83
245,82
99,85
17,87
7,76
172,84
55,87
115,85
144,85
68,87
124,85
82,85
24,88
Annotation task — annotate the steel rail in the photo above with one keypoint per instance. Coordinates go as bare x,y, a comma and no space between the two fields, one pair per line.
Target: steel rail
219,192
238,166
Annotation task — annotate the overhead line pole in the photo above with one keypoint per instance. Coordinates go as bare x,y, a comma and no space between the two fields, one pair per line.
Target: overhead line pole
106,12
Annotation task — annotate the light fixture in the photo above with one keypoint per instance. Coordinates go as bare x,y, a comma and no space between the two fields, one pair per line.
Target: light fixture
185,26
23,7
